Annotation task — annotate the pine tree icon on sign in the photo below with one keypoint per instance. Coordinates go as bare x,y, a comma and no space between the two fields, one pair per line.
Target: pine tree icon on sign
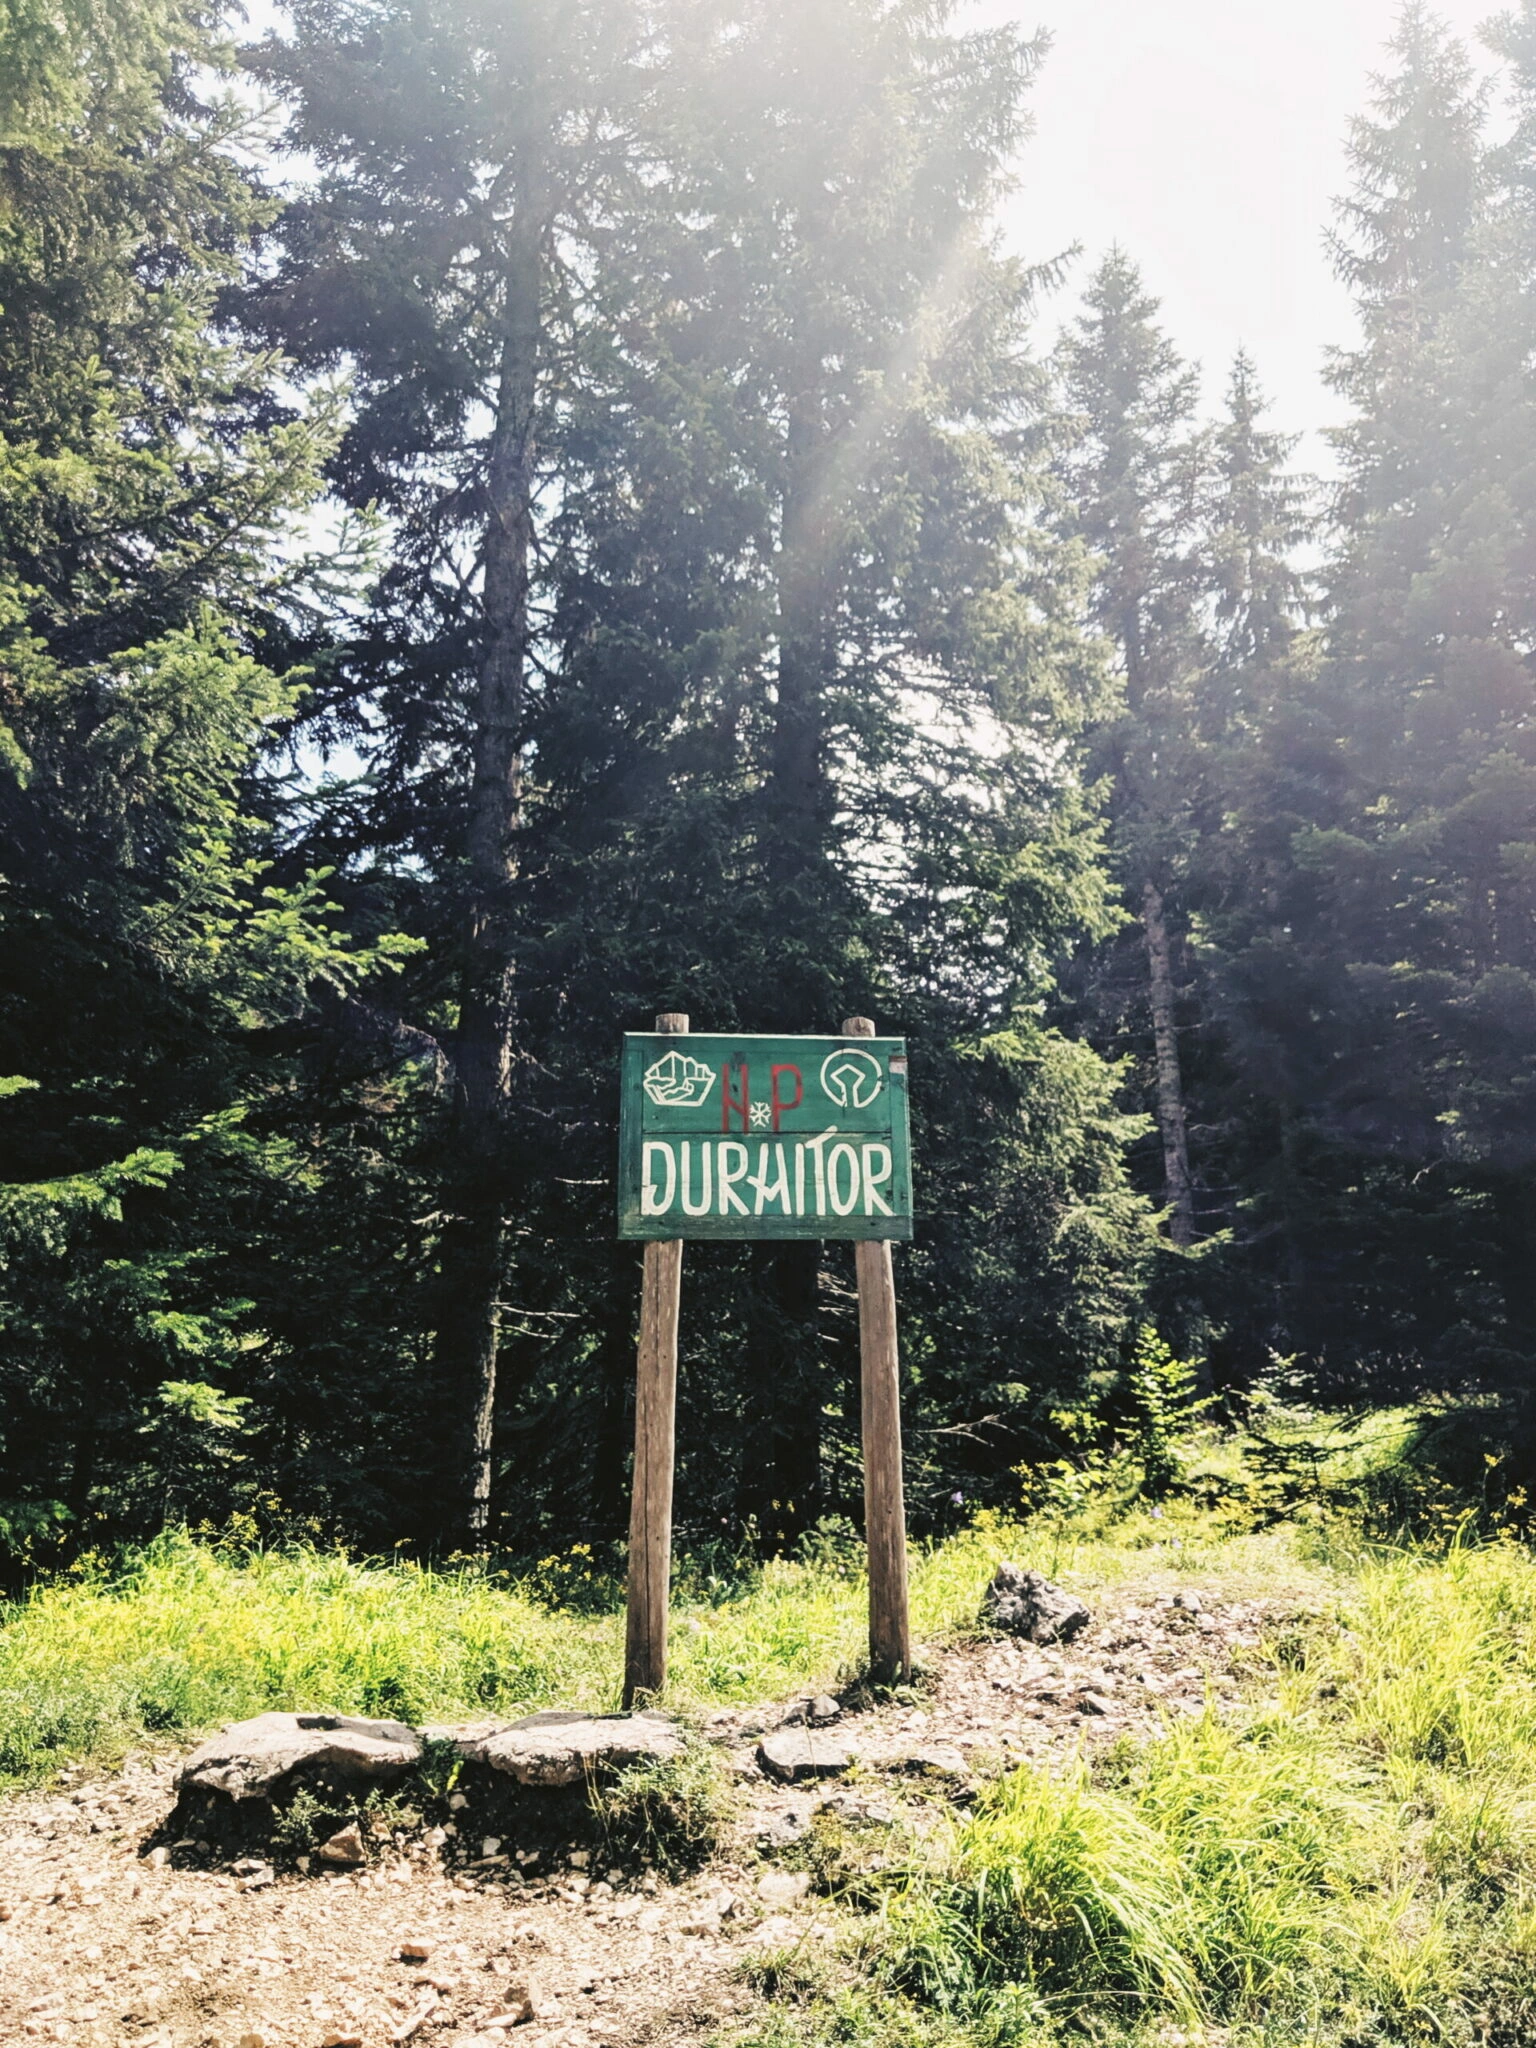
677,1081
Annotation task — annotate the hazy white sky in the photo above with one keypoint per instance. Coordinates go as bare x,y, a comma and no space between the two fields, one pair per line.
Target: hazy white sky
1207,137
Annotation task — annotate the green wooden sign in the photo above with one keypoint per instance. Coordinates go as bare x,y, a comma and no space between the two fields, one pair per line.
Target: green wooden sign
764,1137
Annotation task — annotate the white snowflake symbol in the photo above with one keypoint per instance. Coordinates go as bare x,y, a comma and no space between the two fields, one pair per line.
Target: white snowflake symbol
760,1115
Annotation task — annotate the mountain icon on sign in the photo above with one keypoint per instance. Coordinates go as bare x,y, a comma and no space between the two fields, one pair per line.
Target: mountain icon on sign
850,1078
678,1082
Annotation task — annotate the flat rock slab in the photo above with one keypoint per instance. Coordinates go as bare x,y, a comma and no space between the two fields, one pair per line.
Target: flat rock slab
938,1760
562,1749
254,1759
1027,1604
794,1754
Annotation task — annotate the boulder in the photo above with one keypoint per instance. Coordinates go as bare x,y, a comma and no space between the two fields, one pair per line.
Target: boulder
794,1754
1027,1604
562,1749
255,1759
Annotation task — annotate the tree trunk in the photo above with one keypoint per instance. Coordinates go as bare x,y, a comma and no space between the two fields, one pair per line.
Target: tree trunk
468,1336
1514,1211
1180,1194
781,1484
801,810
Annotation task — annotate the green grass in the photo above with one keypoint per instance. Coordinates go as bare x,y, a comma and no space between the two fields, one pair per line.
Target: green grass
1348,1857
188,1636
1345,1857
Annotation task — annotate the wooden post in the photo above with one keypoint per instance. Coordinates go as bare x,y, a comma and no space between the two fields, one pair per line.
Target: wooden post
650,1514
885,1519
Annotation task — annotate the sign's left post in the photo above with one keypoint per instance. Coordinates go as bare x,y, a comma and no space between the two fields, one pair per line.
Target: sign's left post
650,1514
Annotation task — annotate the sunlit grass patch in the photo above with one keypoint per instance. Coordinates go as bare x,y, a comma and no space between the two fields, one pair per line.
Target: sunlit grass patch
1344,1858
188,1635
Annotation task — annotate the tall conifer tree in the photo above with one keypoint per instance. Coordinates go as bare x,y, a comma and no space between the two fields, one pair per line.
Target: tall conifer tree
1134,475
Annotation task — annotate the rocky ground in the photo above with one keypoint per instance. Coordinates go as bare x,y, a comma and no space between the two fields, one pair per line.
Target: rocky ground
107,1942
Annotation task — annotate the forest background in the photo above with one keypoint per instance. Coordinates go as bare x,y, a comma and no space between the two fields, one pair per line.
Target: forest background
517,517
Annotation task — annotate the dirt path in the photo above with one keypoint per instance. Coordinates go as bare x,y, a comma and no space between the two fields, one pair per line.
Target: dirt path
104,1944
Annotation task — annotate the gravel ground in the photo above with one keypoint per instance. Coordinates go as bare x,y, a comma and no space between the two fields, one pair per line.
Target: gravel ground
105,1944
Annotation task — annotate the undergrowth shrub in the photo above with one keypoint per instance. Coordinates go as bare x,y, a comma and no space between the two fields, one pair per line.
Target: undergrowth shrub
669,1814
1053,1885
846,1853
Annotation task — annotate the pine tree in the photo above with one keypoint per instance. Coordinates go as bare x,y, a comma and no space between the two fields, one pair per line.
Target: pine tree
150,479
469,161
789,551
1134,476
1381,993
1256,521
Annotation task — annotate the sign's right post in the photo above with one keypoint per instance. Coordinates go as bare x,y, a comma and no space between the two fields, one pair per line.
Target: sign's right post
885,1516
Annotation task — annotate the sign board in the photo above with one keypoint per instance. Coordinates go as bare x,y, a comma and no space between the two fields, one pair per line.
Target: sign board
764,1137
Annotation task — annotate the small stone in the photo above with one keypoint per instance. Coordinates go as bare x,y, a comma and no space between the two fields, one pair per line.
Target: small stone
779,1932
937,1761
823,1711
252,2040
6,1910
794,1754
457,1802
157,1859
578,1859
491,1846
414,1951
523,2000
345,1846
1094,1703
415,2021
1026,1604
1189,1600
780,1888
